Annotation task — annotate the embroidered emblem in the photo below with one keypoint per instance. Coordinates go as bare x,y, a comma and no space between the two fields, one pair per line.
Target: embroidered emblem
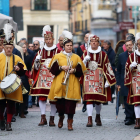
109,68
93,65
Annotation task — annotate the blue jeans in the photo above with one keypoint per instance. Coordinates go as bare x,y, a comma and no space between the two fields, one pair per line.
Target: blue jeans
30,101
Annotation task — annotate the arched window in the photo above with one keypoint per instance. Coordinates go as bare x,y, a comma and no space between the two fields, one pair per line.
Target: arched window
41,5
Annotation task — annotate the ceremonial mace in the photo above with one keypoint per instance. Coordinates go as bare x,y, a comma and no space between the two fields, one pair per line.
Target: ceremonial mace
134,51
88,45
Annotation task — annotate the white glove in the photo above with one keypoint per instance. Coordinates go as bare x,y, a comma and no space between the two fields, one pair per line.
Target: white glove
38,57
87,58
106,84
37,65
133,64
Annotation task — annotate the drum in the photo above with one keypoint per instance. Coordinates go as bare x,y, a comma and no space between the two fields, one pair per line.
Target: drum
10,83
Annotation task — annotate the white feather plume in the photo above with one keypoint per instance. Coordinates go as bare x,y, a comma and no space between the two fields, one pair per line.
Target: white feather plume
46,28
90,36
7,30
41,44
137,37
67,34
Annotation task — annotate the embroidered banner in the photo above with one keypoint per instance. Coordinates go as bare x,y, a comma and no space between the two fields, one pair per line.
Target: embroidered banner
45,77
136,82
94,81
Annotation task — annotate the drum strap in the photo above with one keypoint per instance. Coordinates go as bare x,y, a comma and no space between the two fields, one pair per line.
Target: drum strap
13,60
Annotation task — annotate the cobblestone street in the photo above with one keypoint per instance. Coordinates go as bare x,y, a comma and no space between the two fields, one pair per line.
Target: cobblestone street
112,129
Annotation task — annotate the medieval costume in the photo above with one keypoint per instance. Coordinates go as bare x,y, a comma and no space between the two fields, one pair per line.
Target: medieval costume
43,78
7,64
97,81
132,81
65,90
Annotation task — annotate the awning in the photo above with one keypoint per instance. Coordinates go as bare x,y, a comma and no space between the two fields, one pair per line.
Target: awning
6,19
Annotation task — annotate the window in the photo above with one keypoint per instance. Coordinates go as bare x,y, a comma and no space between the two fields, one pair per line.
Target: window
35,31
40,5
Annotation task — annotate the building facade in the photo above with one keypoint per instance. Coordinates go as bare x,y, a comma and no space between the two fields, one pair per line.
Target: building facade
103,19
37,13
79,19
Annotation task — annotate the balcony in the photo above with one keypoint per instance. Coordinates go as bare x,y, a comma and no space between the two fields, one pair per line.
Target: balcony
40,5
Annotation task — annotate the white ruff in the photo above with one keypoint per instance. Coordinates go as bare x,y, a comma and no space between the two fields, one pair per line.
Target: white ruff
94,51
137,52
68,54
49,48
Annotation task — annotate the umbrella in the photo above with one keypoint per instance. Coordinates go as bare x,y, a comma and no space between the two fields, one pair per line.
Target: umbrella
6,19
118,103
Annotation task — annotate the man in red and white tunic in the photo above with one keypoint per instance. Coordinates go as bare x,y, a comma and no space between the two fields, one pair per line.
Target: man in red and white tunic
42,77
98,79
132,80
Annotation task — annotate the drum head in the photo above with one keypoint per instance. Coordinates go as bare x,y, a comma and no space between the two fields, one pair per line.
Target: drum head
8,80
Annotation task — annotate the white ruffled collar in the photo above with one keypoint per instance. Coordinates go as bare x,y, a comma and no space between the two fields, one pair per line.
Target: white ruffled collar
68,54
137,52
49,48
94,51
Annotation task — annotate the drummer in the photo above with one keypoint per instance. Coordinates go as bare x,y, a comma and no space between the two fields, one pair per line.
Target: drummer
8,62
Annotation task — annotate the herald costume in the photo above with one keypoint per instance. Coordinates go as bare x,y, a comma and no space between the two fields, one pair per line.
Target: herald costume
7,64
43,78
132,81
97,81
65,91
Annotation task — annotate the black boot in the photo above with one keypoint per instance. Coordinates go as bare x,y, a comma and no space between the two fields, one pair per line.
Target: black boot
2,124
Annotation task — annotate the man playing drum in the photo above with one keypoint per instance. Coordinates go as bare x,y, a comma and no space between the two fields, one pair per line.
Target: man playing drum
42,77
9,63
98,79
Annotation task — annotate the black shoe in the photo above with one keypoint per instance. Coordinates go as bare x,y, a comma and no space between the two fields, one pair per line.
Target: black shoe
128,122
84,108
13,119
25,112
37,105
2,124
105,103
30,106
33,103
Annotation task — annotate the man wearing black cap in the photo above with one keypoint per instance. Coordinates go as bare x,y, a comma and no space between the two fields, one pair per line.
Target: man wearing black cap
8,100
129,109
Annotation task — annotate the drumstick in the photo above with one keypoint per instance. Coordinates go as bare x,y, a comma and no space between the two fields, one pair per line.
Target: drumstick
10,72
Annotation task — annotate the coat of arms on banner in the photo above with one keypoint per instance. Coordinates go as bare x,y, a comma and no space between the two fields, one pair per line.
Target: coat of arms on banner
136,82
45,77
94,81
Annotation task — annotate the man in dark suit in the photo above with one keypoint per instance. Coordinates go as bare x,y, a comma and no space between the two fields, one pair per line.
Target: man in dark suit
111,56
129,109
